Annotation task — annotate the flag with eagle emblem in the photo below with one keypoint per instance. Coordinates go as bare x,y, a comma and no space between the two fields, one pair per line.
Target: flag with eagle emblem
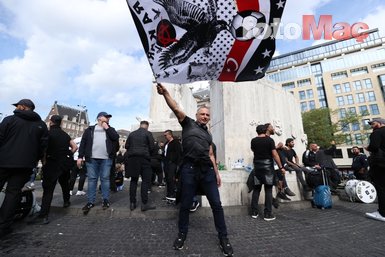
194,40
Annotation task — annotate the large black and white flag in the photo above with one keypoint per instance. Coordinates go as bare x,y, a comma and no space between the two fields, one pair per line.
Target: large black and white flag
192,40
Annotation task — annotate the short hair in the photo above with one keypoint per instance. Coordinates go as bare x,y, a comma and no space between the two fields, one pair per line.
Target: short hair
144,122
261,129
202,107
288,141
169,131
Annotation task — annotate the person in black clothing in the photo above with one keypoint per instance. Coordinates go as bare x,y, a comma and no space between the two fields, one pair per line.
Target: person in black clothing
58,162
283,189
172,153
156,165
198,169
23,139
377,148
264,151
360,164
139,145
317,159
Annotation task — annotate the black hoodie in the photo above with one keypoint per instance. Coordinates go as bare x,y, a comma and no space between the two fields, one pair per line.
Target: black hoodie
23,139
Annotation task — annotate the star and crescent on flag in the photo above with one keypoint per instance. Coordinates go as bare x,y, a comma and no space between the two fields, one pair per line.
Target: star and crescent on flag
194,40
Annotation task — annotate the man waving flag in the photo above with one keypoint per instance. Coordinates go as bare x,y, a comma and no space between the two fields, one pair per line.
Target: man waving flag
192,40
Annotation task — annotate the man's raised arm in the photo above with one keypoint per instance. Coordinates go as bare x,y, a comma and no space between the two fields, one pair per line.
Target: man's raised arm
171,102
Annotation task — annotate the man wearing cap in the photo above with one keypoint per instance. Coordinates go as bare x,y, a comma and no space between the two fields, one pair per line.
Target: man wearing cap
58,162
377,165
140,145
98,146
23,139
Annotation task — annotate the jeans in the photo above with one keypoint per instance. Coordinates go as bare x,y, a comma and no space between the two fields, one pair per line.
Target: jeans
52,173
208,183
98,168
16,178
268,198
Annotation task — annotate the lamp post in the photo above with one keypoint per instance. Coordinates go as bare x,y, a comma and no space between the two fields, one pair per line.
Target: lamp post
79,118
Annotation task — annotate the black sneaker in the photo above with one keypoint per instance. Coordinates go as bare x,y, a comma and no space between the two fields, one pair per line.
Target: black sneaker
179,241
226,247
66,204
269,217
289,192
283,196
195,205
106,204
254,214
88,206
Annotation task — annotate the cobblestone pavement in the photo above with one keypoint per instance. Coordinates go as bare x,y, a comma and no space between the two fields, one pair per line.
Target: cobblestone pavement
299,230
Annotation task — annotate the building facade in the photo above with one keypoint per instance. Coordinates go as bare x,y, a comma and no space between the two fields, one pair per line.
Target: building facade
75,120
346,76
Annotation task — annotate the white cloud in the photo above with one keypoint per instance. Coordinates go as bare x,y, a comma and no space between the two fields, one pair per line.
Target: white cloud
375,19
295,9
79,51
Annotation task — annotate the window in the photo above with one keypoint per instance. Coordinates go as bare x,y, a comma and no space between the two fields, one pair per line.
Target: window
302,95
359,71
345,127
323,103
321,93
360,98
318,81
340,101
374,109
316,68
304,82
363,110
337,89
368,83
357,85
352,110
311,105
303,107
378,67
309,93
342,113
339,75
347,87
288,86
349,99
358,139
371,96
348,140
355,126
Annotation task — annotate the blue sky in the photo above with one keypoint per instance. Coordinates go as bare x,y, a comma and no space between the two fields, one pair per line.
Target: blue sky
87,52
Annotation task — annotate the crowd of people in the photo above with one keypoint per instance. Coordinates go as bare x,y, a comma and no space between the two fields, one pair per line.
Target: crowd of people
186,167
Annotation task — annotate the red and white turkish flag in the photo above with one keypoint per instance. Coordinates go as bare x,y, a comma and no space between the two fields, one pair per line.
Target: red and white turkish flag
193,40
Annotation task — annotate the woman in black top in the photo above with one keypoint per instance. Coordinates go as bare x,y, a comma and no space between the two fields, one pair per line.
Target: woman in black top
264,151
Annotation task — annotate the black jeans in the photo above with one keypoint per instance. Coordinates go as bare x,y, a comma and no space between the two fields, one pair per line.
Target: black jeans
82,176
299,173
52,173
268,198
144,170
15,179
170,170
378,178
208,183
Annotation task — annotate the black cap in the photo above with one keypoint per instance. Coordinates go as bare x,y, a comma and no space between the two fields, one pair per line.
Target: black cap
379,120
56,119
26,102
104,114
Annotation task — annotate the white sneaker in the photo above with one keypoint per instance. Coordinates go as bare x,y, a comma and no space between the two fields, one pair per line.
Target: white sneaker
80,193
375,215
70,192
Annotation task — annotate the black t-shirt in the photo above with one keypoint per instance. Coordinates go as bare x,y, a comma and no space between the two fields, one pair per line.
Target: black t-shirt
262,147
290,154
58,144
196,141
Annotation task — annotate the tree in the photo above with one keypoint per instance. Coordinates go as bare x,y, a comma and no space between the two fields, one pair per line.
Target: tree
319,128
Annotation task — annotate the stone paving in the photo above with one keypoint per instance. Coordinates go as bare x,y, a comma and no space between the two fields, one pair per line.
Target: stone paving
299,230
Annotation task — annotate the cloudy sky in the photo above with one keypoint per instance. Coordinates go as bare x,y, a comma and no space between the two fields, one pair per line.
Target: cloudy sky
87,52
